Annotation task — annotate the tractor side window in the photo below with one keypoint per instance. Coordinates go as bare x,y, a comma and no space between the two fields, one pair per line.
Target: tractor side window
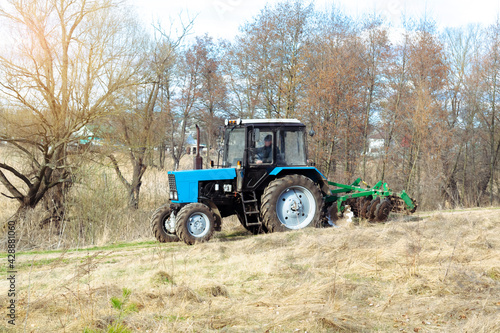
235,141
292,148
262,148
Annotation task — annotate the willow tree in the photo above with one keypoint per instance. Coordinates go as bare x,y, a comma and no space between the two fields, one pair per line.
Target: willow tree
144,110
65,64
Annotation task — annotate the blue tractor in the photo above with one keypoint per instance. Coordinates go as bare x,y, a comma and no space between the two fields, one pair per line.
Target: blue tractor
266,181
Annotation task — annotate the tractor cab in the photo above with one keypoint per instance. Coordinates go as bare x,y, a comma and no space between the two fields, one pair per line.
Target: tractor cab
264,143
261,147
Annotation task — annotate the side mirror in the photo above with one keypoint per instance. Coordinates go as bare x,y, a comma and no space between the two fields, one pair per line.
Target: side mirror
211,163
311,133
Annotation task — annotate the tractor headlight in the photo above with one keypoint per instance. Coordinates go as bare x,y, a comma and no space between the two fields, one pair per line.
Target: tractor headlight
175,196
171,195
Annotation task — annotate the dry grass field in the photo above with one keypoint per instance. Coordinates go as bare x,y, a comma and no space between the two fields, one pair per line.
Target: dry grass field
102,271
433,272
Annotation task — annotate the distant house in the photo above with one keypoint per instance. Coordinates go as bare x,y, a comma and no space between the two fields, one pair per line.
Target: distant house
375,145
191,145
86,136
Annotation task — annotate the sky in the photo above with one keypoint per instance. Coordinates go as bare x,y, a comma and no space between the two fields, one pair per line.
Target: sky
221,18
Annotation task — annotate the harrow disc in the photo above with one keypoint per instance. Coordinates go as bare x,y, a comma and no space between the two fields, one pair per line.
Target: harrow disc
364,208
371,209
414,208
382,211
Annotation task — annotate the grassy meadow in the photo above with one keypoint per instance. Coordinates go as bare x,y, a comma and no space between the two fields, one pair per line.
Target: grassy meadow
433,272
102,271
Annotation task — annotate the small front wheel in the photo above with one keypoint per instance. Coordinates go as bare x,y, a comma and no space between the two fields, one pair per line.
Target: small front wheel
163,224
195,223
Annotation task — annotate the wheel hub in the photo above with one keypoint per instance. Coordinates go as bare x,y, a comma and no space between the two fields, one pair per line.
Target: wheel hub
170,223
295,207
198,225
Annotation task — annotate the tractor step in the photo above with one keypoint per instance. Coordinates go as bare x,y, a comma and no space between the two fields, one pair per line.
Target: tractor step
250,208
251,224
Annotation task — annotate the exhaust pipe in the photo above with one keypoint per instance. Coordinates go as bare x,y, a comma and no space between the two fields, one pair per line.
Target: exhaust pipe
198,160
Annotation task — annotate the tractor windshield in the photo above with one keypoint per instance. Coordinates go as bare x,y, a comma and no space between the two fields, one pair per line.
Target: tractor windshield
235,146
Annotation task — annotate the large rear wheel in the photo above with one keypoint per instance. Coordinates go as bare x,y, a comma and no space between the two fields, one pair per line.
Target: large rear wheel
163,224
292,202
195,223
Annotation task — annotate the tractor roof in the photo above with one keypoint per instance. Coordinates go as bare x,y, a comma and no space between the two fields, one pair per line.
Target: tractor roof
263,121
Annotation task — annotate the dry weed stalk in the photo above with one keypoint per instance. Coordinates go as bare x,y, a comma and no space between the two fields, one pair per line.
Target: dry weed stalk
450,258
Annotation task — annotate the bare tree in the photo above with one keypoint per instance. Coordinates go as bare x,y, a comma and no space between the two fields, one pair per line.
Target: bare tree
460,48
490,116
183,105
397,94
64,71
244,88
272,46
139,125
375,56
211,105
333,94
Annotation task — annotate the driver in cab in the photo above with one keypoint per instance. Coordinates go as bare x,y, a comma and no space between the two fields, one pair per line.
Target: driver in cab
265,153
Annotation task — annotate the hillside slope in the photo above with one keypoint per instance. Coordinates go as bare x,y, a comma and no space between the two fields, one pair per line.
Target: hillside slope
439,272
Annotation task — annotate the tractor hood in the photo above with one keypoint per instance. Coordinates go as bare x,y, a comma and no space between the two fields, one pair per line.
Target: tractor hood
185,183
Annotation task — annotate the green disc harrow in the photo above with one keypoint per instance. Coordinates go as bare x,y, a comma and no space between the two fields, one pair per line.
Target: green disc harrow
372,203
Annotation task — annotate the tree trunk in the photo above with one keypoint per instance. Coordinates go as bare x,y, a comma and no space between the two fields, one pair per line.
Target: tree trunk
55,199
161,148
367,122
138,171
